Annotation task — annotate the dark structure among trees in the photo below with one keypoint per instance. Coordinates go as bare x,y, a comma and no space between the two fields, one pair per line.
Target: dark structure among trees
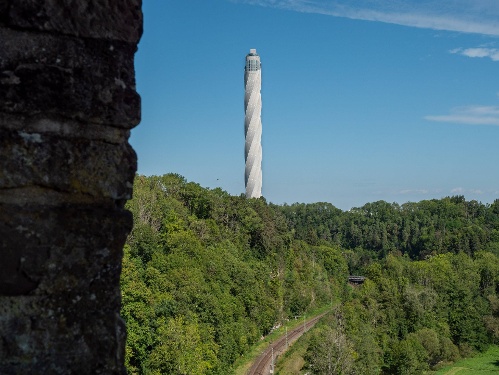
356,279
67,104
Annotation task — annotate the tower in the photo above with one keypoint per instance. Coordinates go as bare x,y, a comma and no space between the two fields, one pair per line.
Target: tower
253,125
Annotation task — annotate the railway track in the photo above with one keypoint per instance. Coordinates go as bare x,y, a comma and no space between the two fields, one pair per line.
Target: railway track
263,364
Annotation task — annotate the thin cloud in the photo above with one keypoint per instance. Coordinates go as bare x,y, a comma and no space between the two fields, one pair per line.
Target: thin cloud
460,190
467,16
492,53
476,191
470,115
413,191
432,192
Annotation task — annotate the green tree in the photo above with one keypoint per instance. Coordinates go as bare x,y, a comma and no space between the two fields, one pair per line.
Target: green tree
492,320
183,348
330,352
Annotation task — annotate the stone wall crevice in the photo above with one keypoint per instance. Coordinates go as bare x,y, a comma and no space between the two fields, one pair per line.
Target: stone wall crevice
69,128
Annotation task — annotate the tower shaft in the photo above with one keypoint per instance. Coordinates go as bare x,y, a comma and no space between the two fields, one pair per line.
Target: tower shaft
253,125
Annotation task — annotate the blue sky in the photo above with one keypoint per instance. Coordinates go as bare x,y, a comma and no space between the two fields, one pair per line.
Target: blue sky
362,100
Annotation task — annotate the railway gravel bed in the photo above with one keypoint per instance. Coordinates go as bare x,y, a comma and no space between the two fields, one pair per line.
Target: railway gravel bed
263,364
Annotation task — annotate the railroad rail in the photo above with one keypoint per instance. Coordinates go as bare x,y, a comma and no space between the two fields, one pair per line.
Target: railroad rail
263,364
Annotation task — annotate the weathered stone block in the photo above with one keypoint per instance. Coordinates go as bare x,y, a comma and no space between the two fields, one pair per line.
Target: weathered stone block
101,19
76,166
83,79
82,345
43,243
54,125
64,264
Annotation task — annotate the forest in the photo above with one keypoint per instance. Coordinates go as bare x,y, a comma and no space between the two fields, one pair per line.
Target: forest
206,275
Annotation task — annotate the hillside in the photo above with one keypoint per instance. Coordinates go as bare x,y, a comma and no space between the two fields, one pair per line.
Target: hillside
206,274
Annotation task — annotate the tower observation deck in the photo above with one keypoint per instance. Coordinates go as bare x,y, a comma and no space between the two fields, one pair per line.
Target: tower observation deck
253,125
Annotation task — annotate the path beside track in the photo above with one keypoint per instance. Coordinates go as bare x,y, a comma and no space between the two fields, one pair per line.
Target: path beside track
262,364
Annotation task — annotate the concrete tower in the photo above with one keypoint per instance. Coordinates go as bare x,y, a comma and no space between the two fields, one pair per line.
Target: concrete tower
253,125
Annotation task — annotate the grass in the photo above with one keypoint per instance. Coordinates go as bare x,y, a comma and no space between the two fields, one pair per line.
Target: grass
243,364
291,363
486,363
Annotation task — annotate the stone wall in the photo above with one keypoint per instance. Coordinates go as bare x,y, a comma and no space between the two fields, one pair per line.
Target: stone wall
67,104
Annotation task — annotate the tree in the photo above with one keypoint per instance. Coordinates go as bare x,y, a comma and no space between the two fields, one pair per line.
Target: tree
183,348
137,311
330,353
206,274
492,320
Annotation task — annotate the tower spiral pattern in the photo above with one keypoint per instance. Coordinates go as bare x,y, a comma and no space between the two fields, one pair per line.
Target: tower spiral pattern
253,125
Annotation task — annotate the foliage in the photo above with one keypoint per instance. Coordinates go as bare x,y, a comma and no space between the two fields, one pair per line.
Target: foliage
411,316
330,351
419,230
206,275
486,363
